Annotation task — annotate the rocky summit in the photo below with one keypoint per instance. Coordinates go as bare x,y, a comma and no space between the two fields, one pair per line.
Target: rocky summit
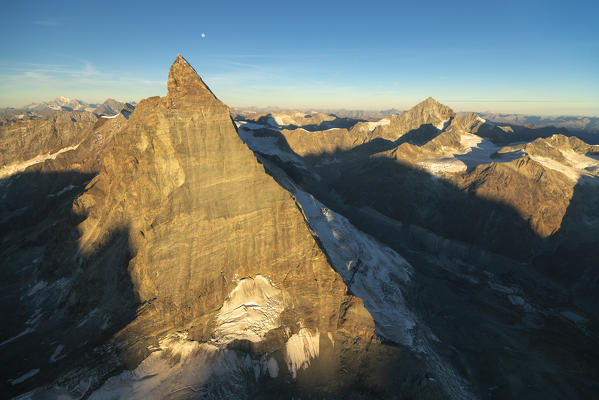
206,224
167,250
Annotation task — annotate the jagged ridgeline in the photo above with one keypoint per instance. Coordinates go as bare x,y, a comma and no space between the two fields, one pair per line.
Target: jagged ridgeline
185,261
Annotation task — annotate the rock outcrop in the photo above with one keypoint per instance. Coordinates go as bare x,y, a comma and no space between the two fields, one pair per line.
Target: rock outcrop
109,107
24,140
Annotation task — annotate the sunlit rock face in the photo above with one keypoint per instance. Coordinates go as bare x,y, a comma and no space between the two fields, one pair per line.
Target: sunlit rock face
202,215
25,140
427,118
218,248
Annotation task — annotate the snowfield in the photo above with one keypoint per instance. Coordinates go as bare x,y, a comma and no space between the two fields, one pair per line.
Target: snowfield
372,271
250,312
15,168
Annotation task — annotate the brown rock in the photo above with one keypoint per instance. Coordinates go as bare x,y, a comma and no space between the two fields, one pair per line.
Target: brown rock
202,214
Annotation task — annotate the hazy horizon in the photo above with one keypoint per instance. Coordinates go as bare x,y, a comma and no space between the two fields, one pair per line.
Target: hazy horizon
513,57
319,109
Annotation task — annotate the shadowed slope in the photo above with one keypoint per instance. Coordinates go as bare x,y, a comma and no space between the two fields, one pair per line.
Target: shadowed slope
499,321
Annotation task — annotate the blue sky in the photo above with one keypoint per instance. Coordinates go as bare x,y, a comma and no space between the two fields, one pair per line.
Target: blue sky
538,57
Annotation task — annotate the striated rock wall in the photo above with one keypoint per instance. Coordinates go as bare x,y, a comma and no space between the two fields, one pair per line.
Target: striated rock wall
203,215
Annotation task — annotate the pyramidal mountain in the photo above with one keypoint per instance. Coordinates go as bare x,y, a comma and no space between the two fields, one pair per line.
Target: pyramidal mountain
187,263
167,250
206,223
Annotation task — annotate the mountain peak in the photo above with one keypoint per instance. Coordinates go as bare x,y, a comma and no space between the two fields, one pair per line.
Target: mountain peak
431,106
429,102
184,81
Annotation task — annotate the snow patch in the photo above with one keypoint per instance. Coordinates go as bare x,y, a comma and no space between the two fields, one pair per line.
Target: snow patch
281,120
37,287
371,270
373,125
474,150
573,316
27,331
442,125
92,315
442,165
182,368
576,165
272,367
56,355
469,140
520,302
330,335
251,310
109,116
24,377
267,145
64,190
300,349
249,125
376,274
32,321
17,167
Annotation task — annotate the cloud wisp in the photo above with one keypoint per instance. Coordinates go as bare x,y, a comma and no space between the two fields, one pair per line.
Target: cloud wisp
26,82
49,23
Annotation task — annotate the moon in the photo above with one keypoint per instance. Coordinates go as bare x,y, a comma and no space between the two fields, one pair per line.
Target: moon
203,35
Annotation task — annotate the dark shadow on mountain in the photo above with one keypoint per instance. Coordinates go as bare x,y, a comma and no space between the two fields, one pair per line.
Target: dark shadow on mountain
418,137
60,306
423,134
366,149
589,137
497,320
572,257
519,133
415,197
27,198
358,178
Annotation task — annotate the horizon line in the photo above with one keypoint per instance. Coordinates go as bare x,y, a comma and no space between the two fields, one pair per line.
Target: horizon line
340,108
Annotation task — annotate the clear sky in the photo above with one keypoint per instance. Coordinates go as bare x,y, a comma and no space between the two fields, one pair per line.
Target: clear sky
524,56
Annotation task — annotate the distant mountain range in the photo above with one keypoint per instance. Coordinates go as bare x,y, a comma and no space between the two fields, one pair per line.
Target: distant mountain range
109,107
576,124
586,128
367,115
573,123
